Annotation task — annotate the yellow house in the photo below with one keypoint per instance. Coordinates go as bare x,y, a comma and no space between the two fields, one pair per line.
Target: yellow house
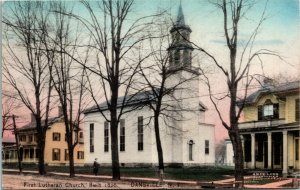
270,130
56,149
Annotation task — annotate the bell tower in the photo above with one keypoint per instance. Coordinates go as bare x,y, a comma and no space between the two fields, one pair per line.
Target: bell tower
180,50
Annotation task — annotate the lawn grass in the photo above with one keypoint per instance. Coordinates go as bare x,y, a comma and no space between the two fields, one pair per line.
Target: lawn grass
187,173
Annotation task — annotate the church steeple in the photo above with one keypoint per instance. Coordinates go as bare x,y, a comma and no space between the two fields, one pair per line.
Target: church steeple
180,17
180,51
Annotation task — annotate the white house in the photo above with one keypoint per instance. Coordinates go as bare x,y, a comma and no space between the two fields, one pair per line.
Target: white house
188,142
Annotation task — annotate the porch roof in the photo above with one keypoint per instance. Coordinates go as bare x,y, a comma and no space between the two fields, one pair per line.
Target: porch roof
281,127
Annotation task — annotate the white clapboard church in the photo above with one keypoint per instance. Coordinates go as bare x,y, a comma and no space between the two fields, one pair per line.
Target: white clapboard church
185,142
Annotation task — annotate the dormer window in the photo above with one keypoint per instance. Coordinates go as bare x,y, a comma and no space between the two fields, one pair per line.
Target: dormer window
268,108
268,111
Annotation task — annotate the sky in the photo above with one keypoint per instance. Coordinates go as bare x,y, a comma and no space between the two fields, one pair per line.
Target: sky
279,32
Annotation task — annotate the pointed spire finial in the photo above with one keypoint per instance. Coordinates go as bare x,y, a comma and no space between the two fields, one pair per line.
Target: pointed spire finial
180,17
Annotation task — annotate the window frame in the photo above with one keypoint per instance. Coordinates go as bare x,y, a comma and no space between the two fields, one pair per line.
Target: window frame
92,133
206,147
66,154
268,111
80,155
177,57
122,135
23,138
140,133
54,153
190,149
106,136
55,136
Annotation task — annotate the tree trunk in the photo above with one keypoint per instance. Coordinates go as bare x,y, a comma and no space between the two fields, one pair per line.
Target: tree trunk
17,144
114,145
71,161
159,148
41,150
238,158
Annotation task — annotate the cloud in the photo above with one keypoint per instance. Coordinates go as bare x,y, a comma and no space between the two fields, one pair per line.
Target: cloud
257,42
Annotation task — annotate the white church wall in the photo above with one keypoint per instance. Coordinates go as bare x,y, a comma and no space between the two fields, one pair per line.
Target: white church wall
175,147
131,135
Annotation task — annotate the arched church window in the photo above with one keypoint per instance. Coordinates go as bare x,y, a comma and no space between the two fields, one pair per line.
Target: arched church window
185,35
177,57
177,36
191,143
186,57
170,58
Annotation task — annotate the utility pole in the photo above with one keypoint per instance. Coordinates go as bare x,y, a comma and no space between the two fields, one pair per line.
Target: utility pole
17,144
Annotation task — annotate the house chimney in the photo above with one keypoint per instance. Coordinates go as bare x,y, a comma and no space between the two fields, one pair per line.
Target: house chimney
267,83
60,111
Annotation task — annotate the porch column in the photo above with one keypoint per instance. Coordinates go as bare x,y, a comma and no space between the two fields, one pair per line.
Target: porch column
285,154
242,140
253,150
269,150
34,154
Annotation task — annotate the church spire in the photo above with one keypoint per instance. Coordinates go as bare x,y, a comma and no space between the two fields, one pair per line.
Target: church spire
180,50
180,16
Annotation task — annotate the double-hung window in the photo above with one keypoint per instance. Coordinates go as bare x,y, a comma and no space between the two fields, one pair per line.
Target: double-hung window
106,136
56,136
56,154
206,146
80,155
92,137
122,135
268,110
140,133
66,154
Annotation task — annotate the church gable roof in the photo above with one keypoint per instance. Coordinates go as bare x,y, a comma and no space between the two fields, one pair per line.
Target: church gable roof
139,98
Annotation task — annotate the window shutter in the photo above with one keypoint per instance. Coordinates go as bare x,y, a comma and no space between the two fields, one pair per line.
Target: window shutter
297,111
259,112
275,111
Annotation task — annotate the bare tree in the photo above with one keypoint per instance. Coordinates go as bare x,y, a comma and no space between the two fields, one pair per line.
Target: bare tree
114,38
9,105
68,79
19,155
238,72
164,79
26,64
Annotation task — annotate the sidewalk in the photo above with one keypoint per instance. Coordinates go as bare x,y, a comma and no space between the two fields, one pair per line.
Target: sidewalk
176,183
